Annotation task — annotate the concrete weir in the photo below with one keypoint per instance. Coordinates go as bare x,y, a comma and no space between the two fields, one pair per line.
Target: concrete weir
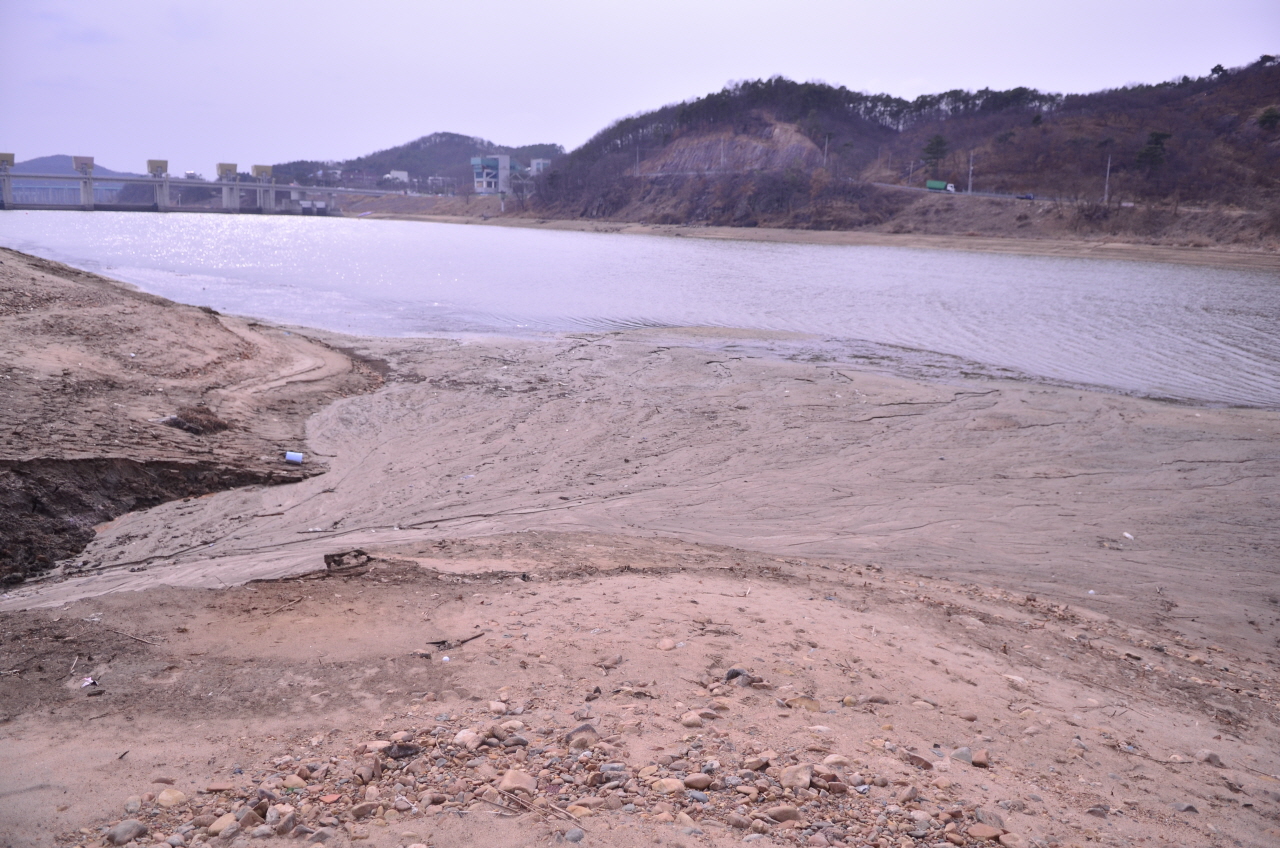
258,194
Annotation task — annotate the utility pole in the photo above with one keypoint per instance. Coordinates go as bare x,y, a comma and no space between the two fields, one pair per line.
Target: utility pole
911,169
970,172
1106,185
826,141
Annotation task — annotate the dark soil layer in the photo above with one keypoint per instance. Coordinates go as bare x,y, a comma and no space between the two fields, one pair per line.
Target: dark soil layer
52,505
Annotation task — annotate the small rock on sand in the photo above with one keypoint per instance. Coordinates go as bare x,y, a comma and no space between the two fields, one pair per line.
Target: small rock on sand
984,831
127,831
796,777
691,719
515,780
988,817
171,798
468,739
783,813
582,736
920,762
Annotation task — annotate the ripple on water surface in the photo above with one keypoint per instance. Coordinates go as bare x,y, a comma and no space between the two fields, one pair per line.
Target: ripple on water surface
1174,331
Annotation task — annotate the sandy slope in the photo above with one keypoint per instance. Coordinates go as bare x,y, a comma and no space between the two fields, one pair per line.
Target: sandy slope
1066,565
92,375
228,686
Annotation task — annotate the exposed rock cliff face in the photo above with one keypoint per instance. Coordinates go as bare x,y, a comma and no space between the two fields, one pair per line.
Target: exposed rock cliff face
771,146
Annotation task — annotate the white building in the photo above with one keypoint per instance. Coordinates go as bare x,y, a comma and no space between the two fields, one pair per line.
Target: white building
492,173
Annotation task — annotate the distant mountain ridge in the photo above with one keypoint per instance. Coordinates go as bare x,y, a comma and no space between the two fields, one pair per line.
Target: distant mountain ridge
441,154
60,164
782,153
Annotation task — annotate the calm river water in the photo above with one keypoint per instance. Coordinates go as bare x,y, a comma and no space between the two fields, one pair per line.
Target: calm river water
1172,331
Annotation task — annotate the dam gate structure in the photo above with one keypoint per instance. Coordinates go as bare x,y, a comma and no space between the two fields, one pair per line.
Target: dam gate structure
157,191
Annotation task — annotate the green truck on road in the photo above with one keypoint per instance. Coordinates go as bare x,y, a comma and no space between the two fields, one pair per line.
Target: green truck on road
939,185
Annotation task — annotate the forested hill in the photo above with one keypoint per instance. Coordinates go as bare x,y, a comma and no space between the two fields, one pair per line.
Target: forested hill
441,154
1213,138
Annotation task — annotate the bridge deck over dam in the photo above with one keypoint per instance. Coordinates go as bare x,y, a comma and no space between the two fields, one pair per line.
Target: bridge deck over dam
166,194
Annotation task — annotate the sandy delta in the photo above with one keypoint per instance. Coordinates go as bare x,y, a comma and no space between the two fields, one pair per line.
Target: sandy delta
662,587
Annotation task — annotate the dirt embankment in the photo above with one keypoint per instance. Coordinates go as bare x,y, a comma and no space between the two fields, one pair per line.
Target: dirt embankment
817,701
1222,237
111,400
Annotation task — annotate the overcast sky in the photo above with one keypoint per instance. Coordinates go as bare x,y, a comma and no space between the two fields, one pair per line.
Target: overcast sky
265,81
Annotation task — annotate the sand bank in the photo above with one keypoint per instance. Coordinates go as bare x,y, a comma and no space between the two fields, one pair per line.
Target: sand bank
95,381
1065,566
1070,248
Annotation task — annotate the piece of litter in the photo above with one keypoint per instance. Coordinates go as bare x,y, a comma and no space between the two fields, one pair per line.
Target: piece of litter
1128,536
88,681
293,457
1091,592
444,659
